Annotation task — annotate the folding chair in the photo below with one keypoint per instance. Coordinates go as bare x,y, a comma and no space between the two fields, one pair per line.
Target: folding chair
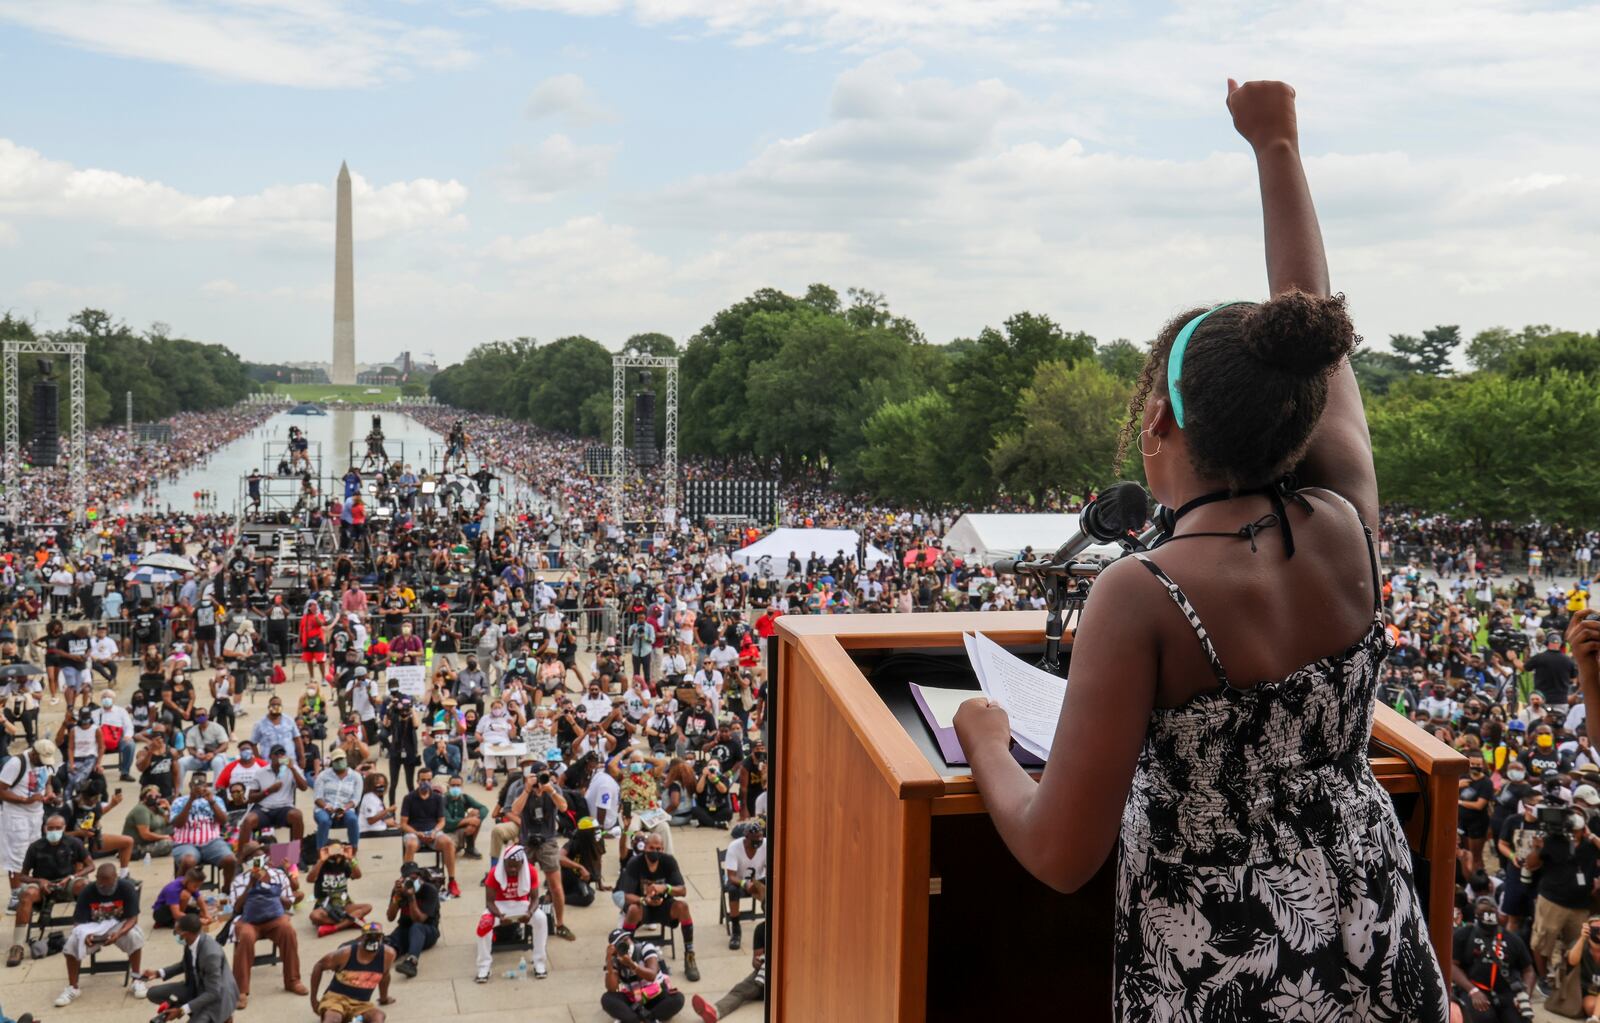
662,935
751,915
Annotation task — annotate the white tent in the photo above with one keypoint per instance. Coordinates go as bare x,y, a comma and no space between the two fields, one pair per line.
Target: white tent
1004,536
771,552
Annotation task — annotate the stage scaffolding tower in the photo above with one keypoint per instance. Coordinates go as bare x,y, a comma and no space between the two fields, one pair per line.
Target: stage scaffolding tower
620,364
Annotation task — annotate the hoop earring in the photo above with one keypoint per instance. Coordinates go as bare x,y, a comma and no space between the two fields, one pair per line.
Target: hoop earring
1142,451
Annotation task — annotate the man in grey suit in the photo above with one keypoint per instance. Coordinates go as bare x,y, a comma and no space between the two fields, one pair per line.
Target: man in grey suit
203,981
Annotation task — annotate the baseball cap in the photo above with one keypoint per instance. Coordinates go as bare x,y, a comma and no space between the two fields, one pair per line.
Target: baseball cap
1586,794
47,753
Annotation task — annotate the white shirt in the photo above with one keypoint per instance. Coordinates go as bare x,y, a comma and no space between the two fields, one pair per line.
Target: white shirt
103,648
744,864
598,708
602,796
116,717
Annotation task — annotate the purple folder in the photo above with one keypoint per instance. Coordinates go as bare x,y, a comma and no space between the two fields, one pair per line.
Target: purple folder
950,745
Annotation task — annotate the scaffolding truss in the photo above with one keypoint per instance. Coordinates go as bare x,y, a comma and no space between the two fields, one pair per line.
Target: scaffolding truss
620,364
77,451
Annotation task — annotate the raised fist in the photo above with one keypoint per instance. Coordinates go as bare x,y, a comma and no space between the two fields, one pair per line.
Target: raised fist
1263,112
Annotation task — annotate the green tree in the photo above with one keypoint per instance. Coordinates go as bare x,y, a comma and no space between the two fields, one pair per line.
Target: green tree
906,445
1544,350
1492,446
987,377
1071,414
716,418
1378,371
656,344
566,373
1492,349
1429,353
1122,359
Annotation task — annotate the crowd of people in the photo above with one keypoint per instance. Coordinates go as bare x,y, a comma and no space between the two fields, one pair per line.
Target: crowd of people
527,683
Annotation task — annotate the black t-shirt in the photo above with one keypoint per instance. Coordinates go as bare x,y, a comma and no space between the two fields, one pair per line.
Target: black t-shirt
726,752
1553,672
638,873
1569,872
1543,760
121,904
53,862
1479,952
1473,791
428,902
697,724
159,773
333,882
539,823
423,814
145,625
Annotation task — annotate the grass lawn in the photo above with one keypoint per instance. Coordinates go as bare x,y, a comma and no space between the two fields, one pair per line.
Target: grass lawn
354,394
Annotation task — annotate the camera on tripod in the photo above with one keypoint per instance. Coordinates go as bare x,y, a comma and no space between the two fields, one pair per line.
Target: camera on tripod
1551,821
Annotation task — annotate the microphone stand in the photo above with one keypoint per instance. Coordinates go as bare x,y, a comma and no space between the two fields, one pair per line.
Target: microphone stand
1066,587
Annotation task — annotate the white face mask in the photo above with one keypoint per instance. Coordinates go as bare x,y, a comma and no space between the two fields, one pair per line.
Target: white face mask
107,703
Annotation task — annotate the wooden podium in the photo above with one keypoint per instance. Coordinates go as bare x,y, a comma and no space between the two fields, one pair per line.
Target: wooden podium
892,896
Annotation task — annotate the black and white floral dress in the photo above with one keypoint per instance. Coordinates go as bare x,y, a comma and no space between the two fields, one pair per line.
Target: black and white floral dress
1262,873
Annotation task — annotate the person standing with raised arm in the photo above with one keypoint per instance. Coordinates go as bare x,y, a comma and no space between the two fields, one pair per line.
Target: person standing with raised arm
1222,684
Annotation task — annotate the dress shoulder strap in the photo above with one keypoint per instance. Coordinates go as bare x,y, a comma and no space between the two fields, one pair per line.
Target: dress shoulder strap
1189,612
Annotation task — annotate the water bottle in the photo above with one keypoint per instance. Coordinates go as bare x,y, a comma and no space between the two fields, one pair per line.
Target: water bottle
511,975
147,861
522,967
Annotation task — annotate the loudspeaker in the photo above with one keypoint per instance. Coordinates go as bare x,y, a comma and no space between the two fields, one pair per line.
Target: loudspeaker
46,441
644,428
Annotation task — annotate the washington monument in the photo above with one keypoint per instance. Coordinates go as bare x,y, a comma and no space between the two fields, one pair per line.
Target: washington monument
344,288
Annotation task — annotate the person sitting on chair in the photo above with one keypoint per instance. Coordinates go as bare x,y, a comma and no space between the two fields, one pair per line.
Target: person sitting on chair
88,820
264,895
746,867
359,968
422,827
652,888
55,867
511,900
107,914
205,989
274,806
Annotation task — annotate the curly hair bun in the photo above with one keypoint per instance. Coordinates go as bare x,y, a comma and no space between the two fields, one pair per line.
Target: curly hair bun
1299,334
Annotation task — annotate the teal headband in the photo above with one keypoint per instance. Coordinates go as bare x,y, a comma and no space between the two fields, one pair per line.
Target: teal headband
1180,344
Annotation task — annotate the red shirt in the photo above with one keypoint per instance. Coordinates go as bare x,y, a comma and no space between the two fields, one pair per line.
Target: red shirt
767,624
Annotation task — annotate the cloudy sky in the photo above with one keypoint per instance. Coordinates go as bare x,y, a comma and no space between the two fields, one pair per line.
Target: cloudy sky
545,167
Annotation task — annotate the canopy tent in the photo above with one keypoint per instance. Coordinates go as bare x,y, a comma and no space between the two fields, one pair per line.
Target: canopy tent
986,538
772,551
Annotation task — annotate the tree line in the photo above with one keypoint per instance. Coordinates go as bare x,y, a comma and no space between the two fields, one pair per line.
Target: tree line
166,374
840,388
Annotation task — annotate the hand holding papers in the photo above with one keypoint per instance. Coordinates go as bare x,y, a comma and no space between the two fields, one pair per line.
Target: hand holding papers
1031,696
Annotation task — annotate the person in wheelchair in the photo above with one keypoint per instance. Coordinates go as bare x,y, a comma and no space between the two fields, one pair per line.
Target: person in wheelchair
54,869
511,903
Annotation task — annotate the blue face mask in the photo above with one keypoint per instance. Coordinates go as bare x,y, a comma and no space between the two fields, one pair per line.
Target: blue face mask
53,837
455,790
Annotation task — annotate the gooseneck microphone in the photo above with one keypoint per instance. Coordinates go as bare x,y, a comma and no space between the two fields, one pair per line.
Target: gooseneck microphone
1117,514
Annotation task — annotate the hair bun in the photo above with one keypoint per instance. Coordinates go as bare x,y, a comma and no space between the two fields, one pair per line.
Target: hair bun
1300,334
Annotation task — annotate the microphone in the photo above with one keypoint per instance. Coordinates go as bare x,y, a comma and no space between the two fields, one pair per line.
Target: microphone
1117,514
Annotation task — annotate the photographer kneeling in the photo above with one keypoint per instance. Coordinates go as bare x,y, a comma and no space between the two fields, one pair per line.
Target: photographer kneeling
1492,967
1569,860
638,988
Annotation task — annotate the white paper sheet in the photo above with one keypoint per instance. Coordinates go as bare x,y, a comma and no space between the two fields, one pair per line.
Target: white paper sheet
943,703
1031,696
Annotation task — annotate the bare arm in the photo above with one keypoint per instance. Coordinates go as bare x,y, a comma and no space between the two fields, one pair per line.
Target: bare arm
1340,455
1097,742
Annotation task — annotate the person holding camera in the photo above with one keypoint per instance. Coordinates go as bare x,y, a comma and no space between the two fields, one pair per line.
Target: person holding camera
713,806
1492,968
1567,857
510,899
536,811
638,987
263,895
652,887
414,909
330,879
359,968
197,824
273,804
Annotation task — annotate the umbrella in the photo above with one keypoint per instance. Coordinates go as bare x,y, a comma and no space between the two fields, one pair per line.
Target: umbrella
921,557
166,559
152,576
21,669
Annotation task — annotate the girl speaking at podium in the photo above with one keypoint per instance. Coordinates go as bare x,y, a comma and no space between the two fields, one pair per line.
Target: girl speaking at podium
1222,685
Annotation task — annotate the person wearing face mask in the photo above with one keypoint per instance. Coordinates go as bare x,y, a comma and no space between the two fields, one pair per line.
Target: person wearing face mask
1569,873
406,648
107,915
56,867
202,985
510,898
494,732
82,739
359,969
414,909
336,797
146,824
1543,760
1472,812
264,894
463,818
330,878
603,795
653,890
25,786
1491,969
116,732
422,827
1584,956
273,804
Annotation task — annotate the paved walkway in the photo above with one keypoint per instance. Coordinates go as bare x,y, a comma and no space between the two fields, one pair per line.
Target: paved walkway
444,987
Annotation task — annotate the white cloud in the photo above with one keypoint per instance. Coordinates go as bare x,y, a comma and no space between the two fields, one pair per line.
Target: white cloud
9,238
568,97
32,185
849,23
303,43
555,165
221,286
